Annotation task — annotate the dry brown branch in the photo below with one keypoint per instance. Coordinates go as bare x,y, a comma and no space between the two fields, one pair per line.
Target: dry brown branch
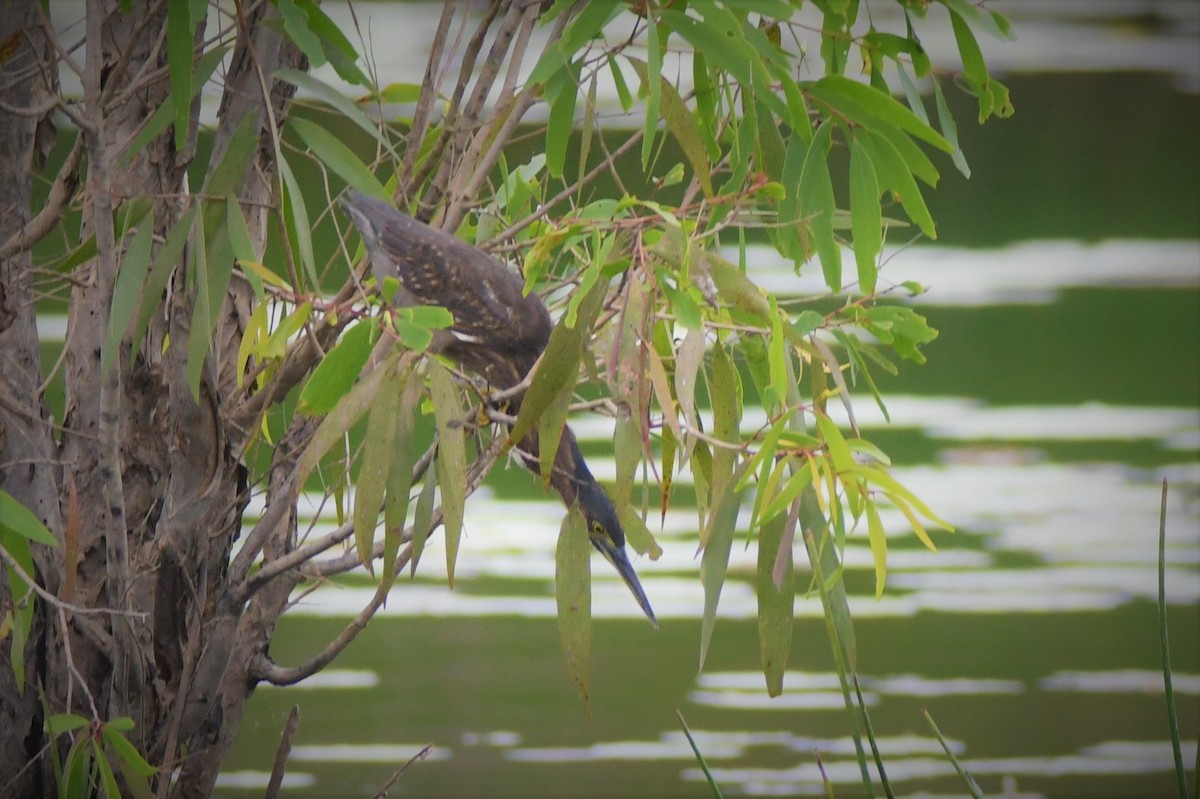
281,755
56,202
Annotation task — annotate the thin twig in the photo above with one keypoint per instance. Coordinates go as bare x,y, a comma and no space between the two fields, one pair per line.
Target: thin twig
387,786
66,638
52,211
281,755
265,669
55,601
549,205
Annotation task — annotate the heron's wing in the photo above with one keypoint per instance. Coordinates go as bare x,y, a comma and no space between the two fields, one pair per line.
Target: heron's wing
498,331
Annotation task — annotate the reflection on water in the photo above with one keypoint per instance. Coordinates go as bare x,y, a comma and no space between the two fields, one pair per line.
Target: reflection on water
1027,616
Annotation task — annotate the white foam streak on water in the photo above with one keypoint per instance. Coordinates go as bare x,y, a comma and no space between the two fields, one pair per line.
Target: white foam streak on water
894,685
722,745
807,778
1031,272
1123,681
963,419
366,753
337,679
250,780
1093,527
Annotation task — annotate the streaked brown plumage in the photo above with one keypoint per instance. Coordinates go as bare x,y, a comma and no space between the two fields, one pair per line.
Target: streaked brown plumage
498,333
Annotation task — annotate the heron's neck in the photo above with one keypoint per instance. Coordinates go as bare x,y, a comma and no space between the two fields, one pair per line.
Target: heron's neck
570,471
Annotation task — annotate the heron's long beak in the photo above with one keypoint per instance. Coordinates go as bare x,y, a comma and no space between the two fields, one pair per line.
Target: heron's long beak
620,561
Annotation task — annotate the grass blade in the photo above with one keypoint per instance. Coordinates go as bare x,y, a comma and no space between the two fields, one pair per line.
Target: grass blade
712,783
1172,718
972,786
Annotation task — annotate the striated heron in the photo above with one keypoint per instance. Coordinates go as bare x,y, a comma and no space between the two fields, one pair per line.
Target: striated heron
498,333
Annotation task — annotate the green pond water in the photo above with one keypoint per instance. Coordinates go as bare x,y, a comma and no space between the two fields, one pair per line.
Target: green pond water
1063,388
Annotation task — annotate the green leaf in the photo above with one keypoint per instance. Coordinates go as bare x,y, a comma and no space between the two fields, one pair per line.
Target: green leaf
866,216
623,94
452,460
712,782
276,344
794,240
871,107
229,174
340,103
723,46
180,32
400,475
162,118
127,293
59,723
21,521
297,222
913,94
706,104
991,22
827,570
816,193
682,125
775,604
164,263
559,365
724,395
295,24
653,90
107,778
573,594
807,321
950,129
400,93
423,517
714,563
894,175
199,339
800,479
974,69
550,431
338,370
127,752
562,95
586,25
349,409
881,478
340,158
378,451
775,393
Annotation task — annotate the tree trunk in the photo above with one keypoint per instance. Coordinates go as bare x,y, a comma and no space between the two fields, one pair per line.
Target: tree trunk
151,538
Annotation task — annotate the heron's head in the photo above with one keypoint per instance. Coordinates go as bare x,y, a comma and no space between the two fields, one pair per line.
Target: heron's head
608,537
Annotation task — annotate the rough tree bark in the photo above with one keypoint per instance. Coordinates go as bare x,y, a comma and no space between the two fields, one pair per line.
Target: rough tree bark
144,488
144,610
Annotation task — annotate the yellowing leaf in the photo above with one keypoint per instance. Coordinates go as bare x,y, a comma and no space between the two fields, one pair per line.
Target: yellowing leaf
878,541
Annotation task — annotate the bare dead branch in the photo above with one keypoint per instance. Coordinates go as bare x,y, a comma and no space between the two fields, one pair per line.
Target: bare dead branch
266,669
281,755
387,786
60,193
563,195
425,102
54,601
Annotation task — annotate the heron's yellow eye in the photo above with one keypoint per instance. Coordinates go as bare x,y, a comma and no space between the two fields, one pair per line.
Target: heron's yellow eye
598,529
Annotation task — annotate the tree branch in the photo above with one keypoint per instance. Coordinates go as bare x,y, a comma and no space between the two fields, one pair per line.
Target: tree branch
117,533
61,192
